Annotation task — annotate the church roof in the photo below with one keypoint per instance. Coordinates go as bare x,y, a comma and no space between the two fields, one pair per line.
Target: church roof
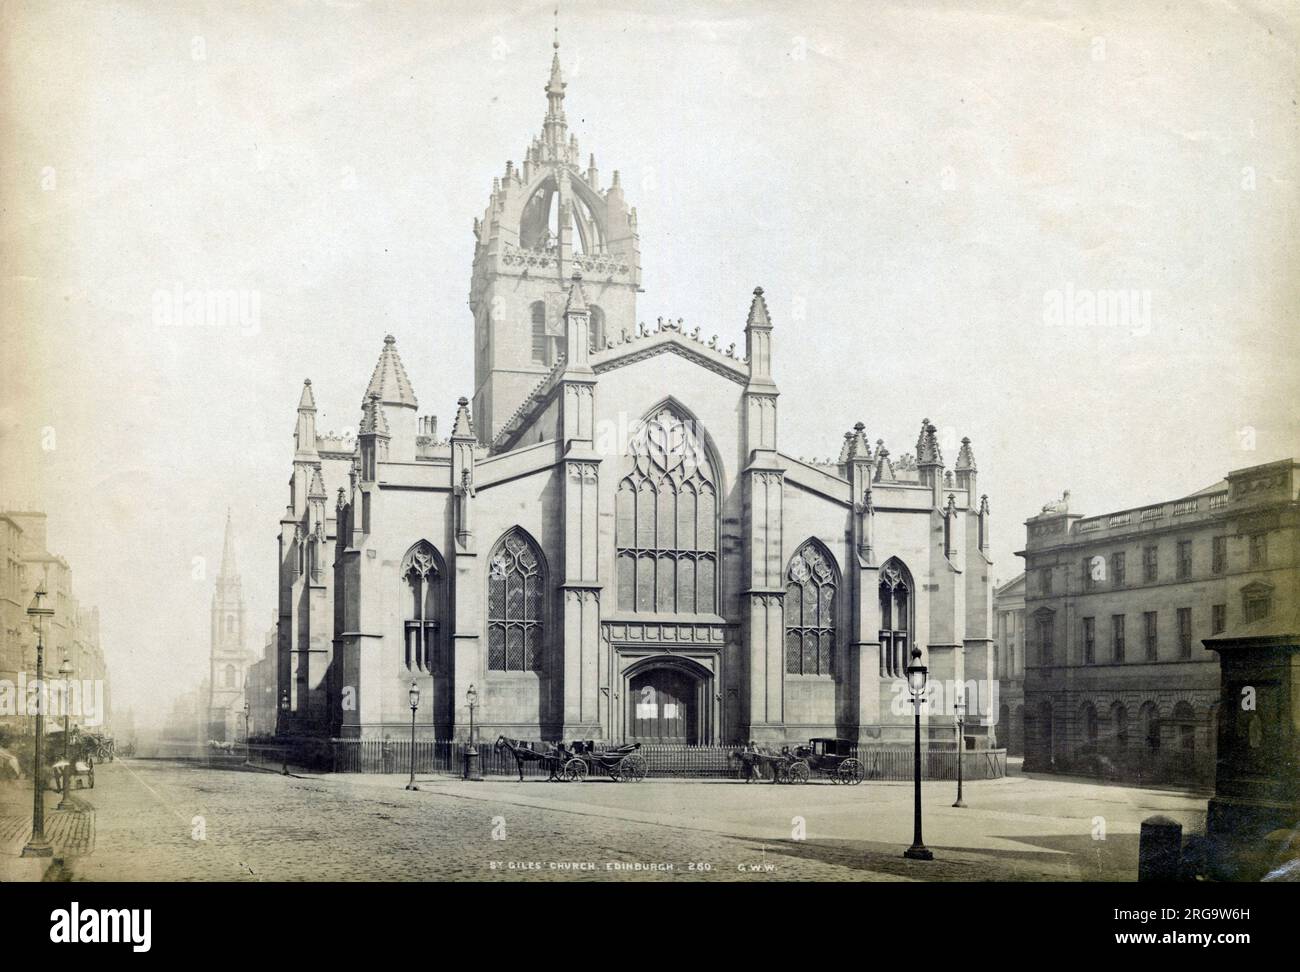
389,379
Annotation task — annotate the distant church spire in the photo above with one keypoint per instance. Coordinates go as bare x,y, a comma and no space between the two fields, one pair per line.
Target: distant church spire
229,568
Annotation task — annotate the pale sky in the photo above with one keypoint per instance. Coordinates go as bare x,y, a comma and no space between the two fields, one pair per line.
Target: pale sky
912,185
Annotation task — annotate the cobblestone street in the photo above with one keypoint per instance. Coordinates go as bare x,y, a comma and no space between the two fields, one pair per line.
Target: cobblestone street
160,821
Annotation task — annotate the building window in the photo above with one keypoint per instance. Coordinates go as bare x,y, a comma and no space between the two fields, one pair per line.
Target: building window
422,575
1089,641
1046,623
1045,580
1258,550
1256,602
666,521
1117,568
1218,555
1117,636
810,611
516,585
541,340
1150,564
1152,646
1119,719
1149,717
1218,618
1090,723
231,678
1185,632
1185,718
895,618
1094,571
1184,559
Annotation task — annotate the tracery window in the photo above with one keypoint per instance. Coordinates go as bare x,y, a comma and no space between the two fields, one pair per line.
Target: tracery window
895,618
541,340
665,532
516,582
423,579
811,582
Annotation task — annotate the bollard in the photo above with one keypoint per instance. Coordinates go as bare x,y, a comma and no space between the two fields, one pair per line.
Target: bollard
1160,849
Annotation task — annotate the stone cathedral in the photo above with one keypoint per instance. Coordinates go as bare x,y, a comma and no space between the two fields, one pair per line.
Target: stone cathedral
610,542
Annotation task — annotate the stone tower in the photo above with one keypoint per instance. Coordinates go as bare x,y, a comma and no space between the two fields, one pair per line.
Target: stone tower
547,218
228,661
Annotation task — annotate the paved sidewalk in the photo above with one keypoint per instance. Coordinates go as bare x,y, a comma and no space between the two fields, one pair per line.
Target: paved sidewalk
71,832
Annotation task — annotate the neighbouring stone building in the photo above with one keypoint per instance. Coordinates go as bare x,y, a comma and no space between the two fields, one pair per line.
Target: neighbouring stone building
1009,663
1120,609
613,543
229,658
72,632
260,689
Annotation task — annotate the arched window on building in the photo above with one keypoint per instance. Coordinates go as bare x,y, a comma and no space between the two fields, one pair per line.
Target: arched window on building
666,531
422,575
1185,720
516,592
231,677
597,327
811,581
541,340
1119,720
1088,716
895,617
1149,720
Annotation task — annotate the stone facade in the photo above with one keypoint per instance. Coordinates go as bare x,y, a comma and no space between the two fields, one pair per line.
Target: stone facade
1120,609
72,633
613,544
1009,663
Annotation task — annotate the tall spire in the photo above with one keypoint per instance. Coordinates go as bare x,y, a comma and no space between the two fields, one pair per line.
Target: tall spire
555,125
228,566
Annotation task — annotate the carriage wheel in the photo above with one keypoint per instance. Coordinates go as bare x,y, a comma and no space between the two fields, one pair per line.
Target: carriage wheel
850,772
575,770
799,771
782,773
631,769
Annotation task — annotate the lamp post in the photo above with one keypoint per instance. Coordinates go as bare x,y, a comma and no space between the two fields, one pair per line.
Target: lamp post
414,696
472,769
916,675
284,749
39,846
960,707
65,670
248,749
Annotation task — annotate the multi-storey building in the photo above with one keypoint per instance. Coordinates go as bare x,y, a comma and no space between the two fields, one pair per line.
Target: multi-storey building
1009,663
1118,680
71,634
614,543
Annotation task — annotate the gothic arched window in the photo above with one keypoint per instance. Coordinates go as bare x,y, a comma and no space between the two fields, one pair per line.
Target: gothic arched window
516,582
541,342
422,576
665,531
895,618
810,584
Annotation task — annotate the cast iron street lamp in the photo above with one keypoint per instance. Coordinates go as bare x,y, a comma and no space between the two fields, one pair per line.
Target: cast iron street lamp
66,671
284,748
472,770
248,749
960,707
39,846
414,697
916,674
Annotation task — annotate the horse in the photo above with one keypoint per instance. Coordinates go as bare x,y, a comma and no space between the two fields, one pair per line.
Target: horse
523,754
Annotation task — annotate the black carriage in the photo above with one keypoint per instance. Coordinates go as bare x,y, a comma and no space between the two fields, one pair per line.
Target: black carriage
623,764
830,757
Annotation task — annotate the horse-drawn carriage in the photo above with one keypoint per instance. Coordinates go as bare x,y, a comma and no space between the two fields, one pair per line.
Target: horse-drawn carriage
623,764
78,767
579,760
830,757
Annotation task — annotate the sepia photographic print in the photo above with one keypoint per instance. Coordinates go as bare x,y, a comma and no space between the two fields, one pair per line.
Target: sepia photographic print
625,443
